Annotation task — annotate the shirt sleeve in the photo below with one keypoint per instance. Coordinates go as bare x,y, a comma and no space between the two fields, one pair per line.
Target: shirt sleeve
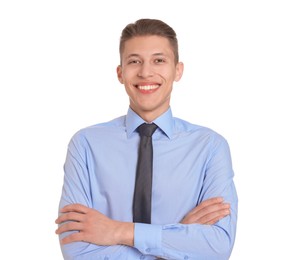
195,241
76,189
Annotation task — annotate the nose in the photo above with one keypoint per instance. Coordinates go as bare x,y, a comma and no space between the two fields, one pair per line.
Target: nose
145,70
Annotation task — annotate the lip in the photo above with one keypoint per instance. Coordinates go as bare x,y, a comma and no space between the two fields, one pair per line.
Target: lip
147,87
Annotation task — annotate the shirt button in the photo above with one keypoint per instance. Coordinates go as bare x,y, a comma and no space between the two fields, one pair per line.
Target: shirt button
147,250
106,258
186,257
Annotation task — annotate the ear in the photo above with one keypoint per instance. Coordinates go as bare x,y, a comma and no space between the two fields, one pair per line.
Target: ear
179,71
119,74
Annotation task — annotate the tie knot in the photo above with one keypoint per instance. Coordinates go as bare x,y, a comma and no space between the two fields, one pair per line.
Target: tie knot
147,129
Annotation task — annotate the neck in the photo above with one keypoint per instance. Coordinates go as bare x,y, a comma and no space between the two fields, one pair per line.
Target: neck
149,116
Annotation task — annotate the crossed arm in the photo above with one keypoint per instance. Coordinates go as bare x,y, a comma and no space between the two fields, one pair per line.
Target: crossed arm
208,230
96,228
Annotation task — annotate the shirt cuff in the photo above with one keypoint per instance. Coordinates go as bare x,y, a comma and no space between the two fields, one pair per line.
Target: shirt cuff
147,239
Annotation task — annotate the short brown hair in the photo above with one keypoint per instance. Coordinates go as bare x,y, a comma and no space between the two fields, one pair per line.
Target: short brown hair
145,27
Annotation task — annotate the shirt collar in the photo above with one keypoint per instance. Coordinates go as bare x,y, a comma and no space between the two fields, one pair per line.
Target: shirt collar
164,122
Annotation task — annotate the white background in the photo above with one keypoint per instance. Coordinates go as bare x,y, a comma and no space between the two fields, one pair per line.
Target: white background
57,75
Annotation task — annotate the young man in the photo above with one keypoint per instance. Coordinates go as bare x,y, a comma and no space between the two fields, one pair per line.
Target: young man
193,200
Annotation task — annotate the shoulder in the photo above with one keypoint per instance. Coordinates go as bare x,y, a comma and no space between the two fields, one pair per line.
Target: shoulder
183,127
100,130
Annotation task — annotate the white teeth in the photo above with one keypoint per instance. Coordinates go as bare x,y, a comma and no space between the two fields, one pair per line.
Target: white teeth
148,87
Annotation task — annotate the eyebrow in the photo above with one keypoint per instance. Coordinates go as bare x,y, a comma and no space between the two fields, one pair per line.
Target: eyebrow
137,55
132,55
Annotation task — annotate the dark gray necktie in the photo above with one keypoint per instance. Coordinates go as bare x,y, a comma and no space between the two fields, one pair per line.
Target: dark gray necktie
143,184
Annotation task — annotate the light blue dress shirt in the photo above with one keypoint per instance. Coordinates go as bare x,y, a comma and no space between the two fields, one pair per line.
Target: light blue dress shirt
191,164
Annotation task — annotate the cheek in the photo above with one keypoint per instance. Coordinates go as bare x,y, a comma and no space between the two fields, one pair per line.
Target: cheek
129,90
170,76
168,73
128,74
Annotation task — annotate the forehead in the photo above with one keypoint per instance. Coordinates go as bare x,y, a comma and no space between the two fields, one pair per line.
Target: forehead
147,45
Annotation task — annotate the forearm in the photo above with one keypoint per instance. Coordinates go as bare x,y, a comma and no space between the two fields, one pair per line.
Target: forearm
181,241
190,240
85,250
105,236
175,241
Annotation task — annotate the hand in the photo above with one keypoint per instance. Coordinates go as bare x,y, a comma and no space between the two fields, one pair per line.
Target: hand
93,227
207,212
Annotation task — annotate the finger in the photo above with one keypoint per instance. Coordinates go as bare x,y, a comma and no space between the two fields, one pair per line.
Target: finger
75,207
213,210
213,221
207,203
70,226
213,217
202,215
70,216
75,237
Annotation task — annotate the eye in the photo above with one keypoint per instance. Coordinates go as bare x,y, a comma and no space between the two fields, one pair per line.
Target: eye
134,62
159,61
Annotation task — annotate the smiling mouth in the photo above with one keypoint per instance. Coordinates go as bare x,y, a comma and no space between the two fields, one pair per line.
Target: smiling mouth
147,87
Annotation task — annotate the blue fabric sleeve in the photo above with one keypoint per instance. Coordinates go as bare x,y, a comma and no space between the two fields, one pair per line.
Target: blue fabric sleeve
147,239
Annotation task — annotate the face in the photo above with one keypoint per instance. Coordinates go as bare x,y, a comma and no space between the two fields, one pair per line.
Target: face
148,71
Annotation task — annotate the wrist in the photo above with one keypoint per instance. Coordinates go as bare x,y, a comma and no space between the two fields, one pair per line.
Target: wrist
125,233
